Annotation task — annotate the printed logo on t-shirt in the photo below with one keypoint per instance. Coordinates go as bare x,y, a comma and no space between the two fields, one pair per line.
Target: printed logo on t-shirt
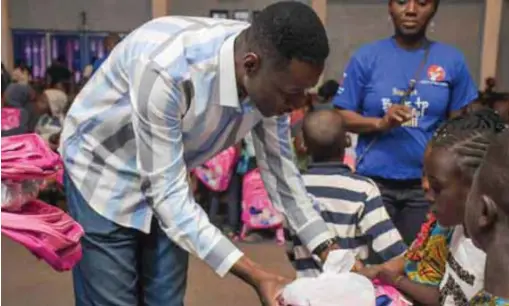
436,73
419,107
341,89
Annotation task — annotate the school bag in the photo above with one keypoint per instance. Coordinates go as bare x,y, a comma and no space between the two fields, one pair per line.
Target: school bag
257,209
217,172
47,231
10,118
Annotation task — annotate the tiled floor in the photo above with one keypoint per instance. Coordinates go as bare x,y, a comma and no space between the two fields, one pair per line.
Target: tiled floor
29,282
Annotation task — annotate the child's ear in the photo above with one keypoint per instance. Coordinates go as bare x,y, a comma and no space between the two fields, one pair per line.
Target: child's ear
489,212
348,141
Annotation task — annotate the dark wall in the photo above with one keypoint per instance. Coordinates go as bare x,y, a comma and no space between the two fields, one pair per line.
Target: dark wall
503,55
103,15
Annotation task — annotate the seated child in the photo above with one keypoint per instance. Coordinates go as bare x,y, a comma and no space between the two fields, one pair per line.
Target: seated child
350,204
487,221
433,270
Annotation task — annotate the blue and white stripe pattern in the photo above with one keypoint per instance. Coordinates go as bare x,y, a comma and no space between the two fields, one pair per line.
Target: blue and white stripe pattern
163,102
353,209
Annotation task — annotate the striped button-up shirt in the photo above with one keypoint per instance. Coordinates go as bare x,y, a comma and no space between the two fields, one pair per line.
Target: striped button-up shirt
163,102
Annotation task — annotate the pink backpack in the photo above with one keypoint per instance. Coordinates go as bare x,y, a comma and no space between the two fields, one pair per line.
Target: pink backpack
27,156
216,173
397,299
16,194
257,209
47,232
10,118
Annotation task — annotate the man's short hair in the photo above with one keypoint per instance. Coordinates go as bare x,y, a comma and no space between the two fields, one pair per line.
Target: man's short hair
289,30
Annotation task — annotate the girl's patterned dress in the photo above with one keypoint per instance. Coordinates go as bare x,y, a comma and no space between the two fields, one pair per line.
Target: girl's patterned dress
426,258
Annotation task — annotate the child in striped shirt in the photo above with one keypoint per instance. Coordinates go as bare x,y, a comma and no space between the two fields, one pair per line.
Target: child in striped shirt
350,204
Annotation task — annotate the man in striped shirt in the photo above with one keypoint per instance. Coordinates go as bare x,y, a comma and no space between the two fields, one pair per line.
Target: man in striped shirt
171,95
350,204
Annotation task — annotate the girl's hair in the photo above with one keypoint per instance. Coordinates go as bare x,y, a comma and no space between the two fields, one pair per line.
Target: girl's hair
468,136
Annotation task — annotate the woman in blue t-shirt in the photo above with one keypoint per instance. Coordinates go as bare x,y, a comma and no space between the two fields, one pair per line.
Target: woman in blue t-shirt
395,93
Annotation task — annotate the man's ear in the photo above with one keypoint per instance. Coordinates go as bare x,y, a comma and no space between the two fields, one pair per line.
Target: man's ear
252,63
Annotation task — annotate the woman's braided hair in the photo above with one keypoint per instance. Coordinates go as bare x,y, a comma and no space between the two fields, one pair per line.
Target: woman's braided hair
468,136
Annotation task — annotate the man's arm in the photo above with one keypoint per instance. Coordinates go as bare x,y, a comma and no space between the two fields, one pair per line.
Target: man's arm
158,106
282,179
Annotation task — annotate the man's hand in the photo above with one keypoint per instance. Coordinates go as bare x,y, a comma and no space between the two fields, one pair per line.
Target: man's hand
269,289
396,115
268,286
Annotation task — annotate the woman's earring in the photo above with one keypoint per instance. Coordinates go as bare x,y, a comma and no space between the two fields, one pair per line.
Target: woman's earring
432,26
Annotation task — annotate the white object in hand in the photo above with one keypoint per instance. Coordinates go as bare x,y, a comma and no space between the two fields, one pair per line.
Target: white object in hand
335,287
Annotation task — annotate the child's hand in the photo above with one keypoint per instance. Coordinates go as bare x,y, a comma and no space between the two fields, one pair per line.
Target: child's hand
370,272
358,266
389,277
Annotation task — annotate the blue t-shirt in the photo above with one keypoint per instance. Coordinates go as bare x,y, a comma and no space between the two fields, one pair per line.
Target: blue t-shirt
378,75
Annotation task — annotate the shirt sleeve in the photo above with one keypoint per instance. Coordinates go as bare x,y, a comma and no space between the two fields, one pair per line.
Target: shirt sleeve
351,91
464,90
273,147
158,106
375,223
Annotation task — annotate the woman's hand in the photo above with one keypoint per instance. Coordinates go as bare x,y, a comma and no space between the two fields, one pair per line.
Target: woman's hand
395,116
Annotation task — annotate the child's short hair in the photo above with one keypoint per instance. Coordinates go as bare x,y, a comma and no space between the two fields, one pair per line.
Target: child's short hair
324,135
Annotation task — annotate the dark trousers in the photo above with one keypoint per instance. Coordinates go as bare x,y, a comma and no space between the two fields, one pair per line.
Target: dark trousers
123,266
406,204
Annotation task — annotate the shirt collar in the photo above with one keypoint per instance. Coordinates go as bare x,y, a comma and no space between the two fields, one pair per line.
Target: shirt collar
228,94
329,166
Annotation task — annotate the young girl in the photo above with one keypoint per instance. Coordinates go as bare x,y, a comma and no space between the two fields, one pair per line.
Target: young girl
453,155
486,216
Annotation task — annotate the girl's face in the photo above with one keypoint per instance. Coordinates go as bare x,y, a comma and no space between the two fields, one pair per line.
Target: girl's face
448,188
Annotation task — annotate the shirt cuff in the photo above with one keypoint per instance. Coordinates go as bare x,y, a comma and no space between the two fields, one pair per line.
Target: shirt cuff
223,256
314,233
